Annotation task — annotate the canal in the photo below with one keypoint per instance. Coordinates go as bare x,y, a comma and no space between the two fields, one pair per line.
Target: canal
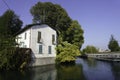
85,69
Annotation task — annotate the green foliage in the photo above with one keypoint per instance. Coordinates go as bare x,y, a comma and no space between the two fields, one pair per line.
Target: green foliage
51,14
75,34
13,58
10,57
90,49
6,56
9,23
66,52
113,44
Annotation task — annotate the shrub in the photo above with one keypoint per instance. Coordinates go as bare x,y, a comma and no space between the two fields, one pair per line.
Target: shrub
66,53
14,58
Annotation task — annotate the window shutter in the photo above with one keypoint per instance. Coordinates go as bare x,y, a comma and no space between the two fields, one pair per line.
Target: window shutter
39,37
25,35
53,39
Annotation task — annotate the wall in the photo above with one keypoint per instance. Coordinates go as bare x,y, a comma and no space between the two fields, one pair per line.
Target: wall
43,61
31,42
46,36
21,39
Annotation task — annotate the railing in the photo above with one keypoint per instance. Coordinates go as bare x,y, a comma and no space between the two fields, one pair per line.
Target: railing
105,56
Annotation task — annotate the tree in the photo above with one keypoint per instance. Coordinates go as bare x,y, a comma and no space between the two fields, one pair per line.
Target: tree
90,49
74,34
113,44
52,14
9,23
67,52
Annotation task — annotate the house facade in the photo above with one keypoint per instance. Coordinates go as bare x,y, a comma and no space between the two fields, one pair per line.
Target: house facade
41,39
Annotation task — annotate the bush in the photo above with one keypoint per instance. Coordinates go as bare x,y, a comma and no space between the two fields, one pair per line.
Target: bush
14,58
66,53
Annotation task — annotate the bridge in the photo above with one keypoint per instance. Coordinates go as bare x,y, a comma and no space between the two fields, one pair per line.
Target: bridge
105,56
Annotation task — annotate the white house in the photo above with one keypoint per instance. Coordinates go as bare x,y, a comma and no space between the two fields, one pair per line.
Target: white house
41,39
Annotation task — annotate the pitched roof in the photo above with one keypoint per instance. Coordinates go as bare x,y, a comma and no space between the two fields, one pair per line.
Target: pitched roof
28,27
25,28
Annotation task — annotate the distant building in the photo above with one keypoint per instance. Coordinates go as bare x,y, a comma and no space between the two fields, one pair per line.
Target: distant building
103,50
41,39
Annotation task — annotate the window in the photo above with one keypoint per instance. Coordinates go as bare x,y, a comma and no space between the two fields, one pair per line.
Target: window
25,46
53,39
25,35
49,49
40,49
39,37
21,43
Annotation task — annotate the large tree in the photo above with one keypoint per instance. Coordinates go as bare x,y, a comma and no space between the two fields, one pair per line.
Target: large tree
113,44
52,14
74,34
9,23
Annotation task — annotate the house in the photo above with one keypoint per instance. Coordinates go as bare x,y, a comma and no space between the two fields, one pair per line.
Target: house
41,39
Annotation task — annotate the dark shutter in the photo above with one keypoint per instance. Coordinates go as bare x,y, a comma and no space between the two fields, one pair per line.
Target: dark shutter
53,39
39,37
25,35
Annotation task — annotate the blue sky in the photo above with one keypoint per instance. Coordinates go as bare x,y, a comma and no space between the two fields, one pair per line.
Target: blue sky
98,18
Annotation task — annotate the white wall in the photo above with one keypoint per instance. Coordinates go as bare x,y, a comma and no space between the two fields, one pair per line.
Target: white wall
21,38
32,37
46,35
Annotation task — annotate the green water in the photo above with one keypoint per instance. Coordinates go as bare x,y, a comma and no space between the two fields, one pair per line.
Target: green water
83,70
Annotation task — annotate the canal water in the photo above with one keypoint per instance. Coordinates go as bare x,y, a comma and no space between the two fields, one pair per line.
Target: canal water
85,69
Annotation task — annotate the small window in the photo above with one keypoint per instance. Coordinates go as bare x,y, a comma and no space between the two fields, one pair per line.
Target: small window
39,37
25,35
25,46
49,49
40,49
53,39
21,43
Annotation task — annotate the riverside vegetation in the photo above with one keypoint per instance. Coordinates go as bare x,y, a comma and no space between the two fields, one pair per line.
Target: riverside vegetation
11,58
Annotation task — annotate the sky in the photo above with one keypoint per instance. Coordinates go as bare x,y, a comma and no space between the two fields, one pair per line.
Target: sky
98,18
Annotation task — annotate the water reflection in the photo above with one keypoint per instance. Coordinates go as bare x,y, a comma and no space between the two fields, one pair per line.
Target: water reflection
99,70
74,72
38,73
83,70
49,74
116,70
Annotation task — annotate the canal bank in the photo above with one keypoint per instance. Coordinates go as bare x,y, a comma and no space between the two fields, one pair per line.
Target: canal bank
114,57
